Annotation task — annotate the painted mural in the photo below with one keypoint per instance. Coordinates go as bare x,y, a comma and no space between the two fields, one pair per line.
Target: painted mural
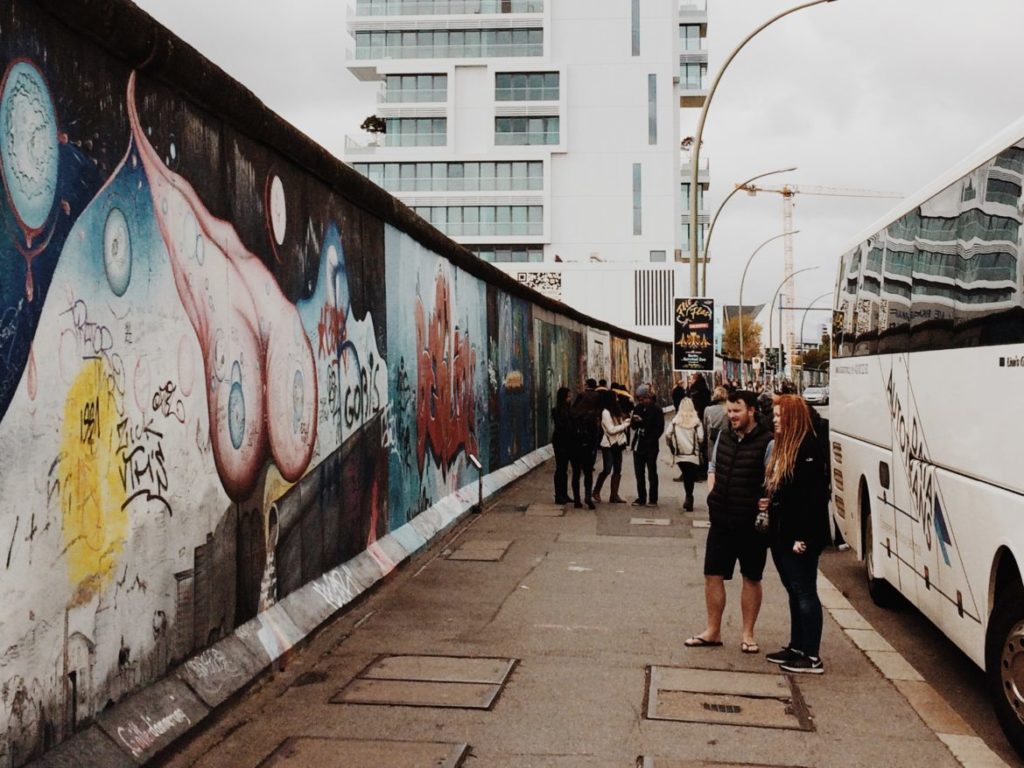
219,379
620,362
640,365
599,355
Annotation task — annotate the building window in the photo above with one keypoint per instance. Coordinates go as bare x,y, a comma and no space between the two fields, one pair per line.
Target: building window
485,220
658,256
445,44
686,197
526,86
635,27
443,7
637,201
686,236
509,253
689,37
416,132
416,88
526,130
652,109
693,76
517,175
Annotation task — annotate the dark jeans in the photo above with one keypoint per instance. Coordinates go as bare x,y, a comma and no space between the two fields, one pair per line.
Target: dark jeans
582,461
561,475
611,462
690,472
646,467
799,574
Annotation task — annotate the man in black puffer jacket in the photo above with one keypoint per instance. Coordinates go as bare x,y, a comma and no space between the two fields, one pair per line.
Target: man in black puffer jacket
735,483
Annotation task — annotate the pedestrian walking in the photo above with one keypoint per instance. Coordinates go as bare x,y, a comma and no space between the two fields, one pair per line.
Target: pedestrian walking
796,482
735,485
715,419
678,392
697,390
562,441
586,428
613,442
684,437
648,423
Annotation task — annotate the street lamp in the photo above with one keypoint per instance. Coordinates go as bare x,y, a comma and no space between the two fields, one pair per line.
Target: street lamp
802,321
743,280
771,306
711,229
695,152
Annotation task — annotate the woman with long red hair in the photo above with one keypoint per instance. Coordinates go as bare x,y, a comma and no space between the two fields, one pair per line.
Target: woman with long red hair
796,484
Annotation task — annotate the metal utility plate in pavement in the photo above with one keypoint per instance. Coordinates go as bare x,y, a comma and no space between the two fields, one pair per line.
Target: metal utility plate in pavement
429,681
612,522
305,751
545,510
701,523
651,762
480,549
725,697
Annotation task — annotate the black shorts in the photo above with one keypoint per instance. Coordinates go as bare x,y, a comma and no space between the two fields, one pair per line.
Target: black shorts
725,546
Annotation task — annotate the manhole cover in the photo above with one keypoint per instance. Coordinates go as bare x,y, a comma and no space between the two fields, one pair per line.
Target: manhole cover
429,681
483,550
649,521
302,752
545,510
724,697
612,522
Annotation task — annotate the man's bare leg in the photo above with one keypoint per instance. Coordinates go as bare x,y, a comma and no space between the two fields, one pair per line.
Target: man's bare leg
750,606
714,597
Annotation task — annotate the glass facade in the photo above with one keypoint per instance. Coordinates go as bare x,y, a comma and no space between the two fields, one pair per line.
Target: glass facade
637,200
509,253
652,109
449,44
404,89
526,86
526,130
497,176
689,37
485,220
693,77
635,27
416,132
444,7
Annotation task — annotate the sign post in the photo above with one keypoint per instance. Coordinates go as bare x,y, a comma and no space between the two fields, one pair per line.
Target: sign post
694,338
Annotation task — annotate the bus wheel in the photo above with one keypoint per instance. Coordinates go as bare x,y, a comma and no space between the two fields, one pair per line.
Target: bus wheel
1004,663
881,591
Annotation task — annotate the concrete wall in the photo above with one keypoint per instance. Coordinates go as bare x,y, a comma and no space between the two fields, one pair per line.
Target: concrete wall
231,370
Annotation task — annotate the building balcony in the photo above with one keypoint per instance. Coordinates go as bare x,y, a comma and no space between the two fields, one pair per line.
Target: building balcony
693,11
445,7
703,171
362,145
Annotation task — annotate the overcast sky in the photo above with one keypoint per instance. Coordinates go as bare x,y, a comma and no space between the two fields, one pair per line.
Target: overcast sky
869,94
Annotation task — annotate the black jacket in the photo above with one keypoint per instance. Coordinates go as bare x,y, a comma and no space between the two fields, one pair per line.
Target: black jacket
799,508
739,478
648,431
562,439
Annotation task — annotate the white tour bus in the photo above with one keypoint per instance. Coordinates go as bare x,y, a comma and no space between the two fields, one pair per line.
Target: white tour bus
927,390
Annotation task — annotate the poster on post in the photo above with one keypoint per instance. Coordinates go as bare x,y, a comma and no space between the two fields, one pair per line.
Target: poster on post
694,334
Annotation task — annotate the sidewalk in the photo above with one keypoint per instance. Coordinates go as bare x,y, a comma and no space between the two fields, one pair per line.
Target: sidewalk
593,610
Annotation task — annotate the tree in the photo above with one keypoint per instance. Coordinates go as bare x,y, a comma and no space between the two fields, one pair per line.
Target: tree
751,337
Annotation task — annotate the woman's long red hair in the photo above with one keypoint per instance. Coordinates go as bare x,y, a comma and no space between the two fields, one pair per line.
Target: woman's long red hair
794,425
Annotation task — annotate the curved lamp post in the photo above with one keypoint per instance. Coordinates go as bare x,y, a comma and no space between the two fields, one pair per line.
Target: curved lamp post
743,279
711,229
771,306
695,154
807,309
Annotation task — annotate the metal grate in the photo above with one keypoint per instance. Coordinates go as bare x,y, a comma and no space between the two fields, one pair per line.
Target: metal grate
725,709
653,291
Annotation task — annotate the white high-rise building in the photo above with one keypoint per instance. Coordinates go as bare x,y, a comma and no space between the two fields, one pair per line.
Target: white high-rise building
544,135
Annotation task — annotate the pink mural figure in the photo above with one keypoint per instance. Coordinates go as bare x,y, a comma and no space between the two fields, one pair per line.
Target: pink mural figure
259,368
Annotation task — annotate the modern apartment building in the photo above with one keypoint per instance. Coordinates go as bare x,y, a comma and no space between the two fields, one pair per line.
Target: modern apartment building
544,135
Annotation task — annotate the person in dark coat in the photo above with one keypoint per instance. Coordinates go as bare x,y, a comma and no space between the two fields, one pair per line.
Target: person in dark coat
735,484
678,393
586,427
796,481
562,442
697,390
648,423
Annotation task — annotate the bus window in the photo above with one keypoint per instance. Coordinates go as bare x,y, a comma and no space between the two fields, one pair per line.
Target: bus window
868,298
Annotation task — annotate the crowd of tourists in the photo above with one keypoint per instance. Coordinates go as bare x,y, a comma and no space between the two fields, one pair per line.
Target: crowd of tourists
764,458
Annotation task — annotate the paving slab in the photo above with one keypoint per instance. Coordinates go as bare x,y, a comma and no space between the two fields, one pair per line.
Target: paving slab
352,753
91,747
932,708
411,693
545,510
444,669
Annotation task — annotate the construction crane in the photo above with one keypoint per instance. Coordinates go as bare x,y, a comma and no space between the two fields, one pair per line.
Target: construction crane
788,192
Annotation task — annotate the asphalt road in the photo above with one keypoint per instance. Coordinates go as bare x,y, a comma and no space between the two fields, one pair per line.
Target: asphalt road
954,676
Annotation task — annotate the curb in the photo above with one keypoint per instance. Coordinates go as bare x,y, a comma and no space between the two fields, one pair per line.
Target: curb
951,729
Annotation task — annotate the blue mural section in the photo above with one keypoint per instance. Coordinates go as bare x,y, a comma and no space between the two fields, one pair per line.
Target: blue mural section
516,433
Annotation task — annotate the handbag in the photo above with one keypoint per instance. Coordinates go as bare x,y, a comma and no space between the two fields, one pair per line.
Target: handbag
762,521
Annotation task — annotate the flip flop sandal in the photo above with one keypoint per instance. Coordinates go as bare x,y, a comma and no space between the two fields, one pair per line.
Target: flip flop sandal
750,648
700,642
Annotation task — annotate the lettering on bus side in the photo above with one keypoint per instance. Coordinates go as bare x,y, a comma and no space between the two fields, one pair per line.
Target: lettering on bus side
920,473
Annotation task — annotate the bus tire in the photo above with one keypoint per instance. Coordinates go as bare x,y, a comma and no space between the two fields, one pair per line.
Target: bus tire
1004,662
881,591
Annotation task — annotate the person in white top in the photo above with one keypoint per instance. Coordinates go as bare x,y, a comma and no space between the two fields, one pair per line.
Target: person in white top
684,436
613,442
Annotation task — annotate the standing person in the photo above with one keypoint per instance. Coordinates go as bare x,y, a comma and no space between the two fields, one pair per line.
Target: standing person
613,442
735,484
715,419
586,428
796,482
697,390
678,393
648,424
562,441
685,436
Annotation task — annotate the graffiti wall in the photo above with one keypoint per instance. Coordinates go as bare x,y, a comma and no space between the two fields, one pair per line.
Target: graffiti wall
221,374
